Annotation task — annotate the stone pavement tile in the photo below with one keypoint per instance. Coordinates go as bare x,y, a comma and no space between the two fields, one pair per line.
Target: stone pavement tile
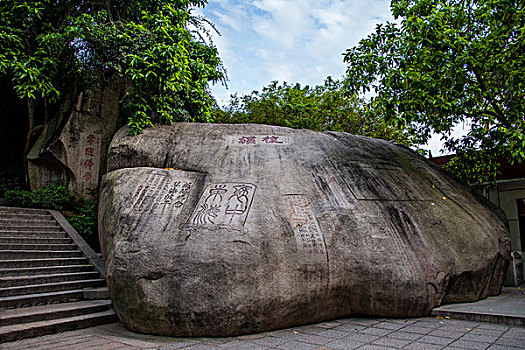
359,337
353,328
429,322
391,342
139,344
376,331
76,341
327,325
417,329
474,345
344,344
405,335
313,339
348,320
333,333
503,347
310,329
491,332
402,321
287,334
519,343
373,347
423,346
269,341
515,332
230,344
89,343
243,346
296,345
249,337
460,323
176,346
456,328
50,340
447,333
117,332
435,340
479,338
367,322
493,326
206,347
40,341
389,325
105,346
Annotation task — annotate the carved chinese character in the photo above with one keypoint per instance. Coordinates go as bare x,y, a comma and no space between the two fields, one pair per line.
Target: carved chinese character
90,151
250,140
91,139
271,139
206,214
89,163
238,202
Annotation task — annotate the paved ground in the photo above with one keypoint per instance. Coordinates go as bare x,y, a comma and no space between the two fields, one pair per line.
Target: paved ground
427,333
353,333
506,308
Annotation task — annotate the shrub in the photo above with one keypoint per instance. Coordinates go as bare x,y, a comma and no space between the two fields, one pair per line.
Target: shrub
54,197
85,223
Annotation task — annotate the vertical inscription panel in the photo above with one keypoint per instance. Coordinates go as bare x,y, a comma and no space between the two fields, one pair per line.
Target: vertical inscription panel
308,234
224,204
159,193
89,160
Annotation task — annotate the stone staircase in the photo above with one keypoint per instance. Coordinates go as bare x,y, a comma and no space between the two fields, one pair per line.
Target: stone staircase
50,279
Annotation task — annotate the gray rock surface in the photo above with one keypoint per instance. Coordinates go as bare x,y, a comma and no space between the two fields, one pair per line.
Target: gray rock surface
259,227
72,148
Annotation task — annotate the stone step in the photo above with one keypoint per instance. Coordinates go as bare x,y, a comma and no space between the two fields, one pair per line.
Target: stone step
27,218
51,312
15,222
38,254
38,247
29,228
35,329
33,234
26,263
23,210
51,287
34,240
16,281
27,300
31,271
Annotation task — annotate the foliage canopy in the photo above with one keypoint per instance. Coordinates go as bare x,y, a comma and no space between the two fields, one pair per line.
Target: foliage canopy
50,47
321,108
445,62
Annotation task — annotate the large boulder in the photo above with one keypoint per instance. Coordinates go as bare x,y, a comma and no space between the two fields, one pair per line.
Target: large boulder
219,230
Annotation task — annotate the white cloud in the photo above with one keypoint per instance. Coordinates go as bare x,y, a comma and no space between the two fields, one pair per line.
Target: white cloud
293,40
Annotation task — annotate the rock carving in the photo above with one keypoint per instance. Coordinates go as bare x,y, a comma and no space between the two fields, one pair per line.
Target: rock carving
260,230
226,204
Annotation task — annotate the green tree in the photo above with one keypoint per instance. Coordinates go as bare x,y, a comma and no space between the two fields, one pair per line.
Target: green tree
321,108
445,62
51,50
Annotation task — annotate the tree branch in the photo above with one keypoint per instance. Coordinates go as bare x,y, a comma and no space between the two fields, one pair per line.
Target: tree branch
498,114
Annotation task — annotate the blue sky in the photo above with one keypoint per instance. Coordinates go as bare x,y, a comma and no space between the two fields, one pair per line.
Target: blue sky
288,40
297,41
